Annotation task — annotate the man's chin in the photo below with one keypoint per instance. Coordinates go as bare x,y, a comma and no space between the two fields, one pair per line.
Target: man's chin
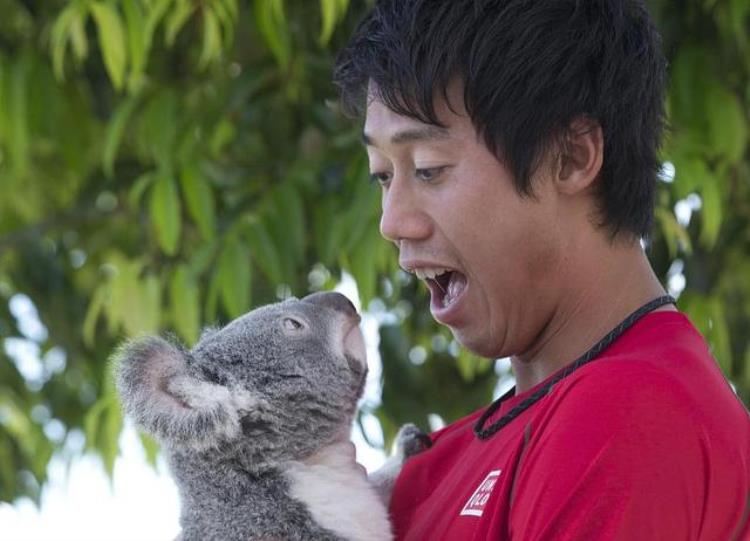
478,345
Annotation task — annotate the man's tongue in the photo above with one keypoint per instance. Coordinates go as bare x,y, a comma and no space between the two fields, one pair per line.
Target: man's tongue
447,289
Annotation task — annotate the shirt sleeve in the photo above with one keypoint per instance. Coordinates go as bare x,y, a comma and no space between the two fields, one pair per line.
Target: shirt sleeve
617,457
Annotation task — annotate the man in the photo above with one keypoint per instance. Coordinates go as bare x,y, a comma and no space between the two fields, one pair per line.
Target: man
516,146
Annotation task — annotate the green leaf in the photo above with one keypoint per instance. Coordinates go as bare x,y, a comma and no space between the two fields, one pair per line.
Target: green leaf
157,9
121,297
727,124
342,7
92,421
111,427
155,12
69,24
77,34
226,22
134,302
92,316
231,7
719,337
17,111
234,276
738,13
136,41
202,258
265,252
223,134
185,304
690,174
212,298
364,207
332,11
180,14
149,297
363,267
115,130
111,41
211,38
157,129
711,214
165,213
7,469
150,447
200,200
691,77
272,25
138,188
707,313
468,365
289,212
4,131
329,232
18,424
59,41
328,13
674,234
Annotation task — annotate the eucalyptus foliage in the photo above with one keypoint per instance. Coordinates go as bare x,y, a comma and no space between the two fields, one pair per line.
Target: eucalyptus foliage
168,164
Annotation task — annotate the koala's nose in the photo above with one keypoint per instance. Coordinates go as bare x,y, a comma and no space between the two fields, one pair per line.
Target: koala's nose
334,300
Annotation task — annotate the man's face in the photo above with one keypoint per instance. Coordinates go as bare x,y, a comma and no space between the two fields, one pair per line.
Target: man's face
449,204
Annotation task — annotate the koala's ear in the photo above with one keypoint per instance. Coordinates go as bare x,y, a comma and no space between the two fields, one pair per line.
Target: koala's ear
166,399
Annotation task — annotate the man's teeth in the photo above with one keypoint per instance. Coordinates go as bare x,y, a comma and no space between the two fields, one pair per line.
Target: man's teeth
429,272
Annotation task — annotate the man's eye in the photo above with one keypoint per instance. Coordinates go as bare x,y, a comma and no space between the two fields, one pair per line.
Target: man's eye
429,174
380,177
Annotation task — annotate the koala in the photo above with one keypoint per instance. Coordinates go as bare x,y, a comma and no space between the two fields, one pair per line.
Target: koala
255,423
409,441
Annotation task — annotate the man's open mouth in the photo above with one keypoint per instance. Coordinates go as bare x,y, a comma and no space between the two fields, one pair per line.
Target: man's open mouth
446,285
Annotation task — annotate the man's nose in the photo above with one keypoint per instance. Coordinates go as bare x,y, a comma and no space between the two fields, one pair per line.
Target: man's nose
403,217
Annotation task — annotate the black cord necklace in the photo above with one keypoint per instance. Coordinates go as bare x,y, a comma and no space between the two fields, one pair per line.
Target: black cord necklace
486,433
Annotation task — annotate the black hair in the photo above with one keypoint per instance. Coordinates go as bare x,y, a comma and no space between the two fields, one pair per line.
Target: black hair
528,68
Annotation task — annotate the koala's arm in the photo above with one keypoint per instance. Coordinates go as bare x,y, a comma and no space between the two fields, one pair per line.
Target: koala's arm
410,441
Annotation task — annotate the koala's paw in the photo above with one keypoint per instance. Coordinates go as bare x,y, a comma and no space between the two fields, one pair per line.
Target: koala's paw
410,441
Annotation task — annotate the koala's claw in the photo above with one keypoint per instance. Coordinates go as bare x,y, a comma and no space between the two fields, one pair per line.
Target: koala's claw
410,440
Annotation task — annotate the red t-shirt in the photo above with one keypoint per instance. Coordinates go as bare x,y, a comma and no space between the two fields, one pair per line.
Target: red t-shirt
646,442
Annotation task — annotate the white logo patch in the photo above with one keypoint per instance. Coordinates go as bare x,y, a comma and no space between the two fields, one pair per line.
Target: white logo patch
475,505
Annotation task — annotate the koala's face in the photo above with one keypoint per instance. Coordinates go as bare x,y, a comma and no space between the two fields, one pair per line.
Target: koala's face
284,378
308,349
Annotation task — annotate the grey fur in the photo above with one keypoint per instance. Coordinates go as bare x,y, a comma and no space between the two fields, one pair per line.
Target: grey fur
246,402
409,441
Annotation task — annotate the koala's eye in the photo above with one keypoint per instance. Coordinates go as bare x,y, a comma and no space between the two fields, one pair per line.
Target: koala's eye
291,324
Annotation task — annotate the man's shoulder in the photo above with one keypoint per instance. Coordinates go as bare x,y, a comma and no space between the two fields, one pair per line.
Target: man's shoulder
630,401
643,426
629,378
618,395
624,419
660,373
664,364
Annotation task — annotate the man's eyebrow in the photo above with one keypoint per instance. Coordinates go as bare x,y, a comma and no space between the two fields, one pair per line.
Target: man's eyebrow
428,133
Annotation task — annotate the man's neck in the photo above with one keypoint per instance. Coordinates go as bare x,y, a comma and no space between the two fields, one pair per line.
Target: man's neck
600,296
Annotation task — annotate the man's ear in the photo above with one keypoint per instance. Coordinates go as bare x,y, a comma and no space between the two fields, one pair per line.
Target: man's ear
581,154
169,401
